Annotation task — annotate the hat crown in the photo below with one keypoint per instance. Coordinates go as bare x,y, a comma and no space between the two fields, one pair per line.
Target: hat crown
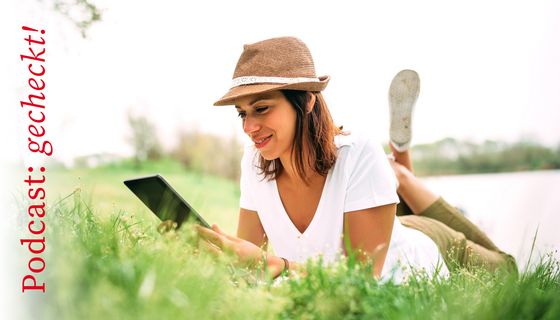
277,57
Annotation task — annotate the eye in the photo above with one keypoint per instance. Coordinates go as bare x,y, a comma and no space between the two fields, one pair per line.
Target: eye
262,109
241,115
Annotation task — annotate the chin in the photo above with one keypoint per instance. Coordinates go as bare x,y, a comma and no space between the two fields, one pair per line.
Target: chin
268,156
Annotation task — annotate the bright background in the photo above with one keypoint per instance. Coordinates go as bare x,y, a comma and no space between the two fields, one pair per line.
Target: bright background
489,69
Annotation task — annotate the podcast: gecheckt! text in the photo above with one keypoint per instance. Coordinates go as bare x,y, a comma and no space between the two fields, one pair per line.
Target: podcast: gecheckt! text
34,107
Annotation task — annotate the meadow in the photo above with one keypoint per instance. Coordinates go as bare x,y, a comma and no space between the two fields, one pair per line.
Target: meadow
107,261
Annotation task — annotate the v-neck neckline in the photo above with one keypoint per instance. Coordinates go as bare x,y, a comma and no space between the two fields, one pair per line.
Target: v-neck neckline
317,212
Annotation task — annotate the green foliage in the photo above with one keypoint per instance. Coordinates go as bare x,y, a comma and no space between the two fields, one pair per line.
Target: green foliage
163,165
197,151
214,197
209,154
143,139
349,292
82,13
449,156
120,268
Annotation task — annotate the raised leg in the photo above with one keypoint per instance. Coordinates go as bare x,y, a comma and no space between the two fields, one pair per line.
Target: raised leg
422,201
457,238
414,193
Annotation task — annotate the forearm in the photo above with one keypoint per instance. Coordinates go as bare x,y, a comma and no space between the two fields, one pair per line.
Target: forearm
376,258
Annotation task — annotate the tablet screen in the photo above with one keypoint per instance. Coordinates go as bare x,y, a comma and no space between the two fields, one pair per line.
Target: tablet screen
163,200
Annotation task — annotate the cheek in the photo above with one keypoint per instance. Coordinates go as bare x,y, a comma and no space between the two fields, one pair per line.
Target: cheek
290,118
283,122
287,128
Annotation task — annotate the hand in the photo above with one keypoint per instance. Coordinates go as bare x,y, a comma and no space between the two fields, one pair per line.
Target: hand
401,173
247,253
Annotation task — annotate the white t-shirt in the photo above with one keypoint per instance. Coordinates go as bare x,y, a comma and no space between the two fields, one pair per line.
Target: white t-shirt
361,178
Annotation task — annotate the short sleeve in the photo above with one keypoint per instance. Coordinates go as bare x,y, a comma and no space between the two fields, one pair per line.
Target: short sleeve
371,182
247,181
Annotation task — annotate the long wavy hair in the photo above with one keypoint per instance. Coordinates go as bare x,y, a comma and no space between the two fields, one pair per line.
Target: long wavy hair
315,132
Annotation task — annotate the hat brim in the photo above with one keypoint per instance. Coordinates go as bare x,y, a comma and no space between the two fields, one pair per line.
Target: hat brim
246,90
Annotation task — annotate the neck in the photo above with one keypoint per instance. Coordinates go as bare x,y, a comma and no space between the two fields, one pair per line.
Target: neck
290,172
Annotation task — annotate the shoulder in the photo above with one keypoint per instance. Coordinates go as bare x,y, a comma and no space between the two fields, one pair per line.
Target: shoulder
355,145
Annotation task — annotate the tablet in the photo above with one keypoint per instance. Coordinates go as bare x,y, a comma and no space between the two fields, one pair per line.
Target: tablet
163,200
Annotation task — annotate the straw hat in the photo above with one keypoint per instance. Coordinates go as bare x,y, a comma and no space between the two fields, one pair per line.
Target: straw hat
273,64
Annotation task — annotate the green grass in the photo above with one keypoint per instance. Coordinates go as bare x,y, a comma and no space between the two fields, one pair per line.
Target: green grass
215,198
106,261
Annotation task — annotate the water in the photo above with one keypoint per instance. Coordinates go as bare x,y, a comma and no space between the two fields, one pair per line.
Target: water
509,207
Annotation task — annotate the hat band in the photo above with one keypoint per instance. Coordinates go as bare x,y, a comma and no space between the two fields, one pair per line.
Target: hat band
256,79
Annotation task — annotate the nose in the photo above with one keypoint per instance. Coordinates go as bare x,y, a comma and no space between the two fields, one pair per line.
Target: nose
251,125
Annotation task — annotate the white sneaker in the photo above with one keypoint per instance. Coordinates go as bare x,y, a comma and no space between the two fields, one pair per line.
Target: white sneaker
403,93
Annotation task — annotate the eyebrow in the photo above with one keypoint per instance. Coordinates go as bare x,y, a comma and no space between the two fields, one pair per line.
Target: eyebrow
257,99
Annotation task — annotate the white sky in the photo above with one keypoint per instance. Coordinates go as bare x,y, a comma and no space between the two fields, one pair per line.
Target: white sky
489,69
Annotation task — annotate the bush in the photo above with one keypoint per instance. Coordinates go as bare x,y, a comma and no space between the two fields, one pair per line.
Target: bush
210,154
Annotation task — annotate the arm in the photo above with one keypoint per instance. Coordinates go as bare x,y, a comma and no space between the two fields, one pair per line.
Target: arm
369,233
250,228
251,241
249,245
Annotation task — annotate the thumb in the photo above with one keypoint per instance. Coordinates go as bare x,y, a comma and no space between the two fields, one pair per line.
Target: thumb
227,236
217,229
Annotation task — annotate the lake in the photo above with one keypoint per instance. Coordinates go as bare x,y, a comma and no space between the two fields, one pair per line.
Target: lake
509,207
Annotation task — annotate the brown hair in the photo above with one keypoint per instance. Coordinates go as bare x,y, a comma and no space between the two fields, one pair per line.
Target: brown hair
315,131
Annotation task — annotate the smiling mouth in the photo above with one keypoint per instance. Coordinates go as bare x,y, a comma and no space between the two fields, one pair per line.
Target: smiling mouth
262,140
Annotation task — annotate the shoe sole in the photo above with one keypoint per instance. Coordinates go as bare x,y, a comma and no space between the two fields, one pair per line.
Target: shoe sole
403,93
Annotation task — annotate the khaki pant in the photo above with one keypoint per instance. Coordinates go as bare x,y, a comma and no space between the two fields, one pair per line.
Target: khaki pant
460,242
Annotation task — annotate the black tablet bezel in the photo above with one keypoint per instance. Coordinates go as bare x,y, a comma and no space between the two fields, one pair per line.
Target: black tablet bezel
133,183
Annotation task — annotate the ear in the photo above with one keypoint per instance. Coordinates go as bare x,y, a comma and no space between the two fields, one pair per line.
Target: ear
311,98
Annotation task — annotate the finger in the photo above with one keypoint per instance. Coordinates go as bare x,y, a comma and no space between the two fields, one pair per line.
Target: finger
209,234
227,236
205,232
212,236
218,230
210,247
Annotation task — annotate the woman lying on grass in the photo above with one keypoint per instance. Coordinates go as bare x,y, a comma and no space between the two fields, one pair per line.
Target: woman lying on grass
309,189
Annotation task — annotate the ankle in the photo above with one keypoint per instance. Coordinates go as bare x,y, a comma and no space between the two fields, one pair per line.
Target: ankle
404,177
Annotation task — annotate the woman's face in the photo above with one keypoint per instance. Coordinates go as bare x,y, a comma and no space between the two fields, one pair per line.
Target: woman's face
269,120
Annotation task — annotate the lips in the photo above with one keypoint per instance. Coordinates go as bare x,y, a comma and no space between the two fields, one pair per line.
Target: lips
261,142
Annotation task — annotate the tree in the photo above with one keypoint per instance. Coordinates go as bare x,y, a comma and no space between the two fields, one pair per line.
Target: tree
82,13
143,139
209,154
